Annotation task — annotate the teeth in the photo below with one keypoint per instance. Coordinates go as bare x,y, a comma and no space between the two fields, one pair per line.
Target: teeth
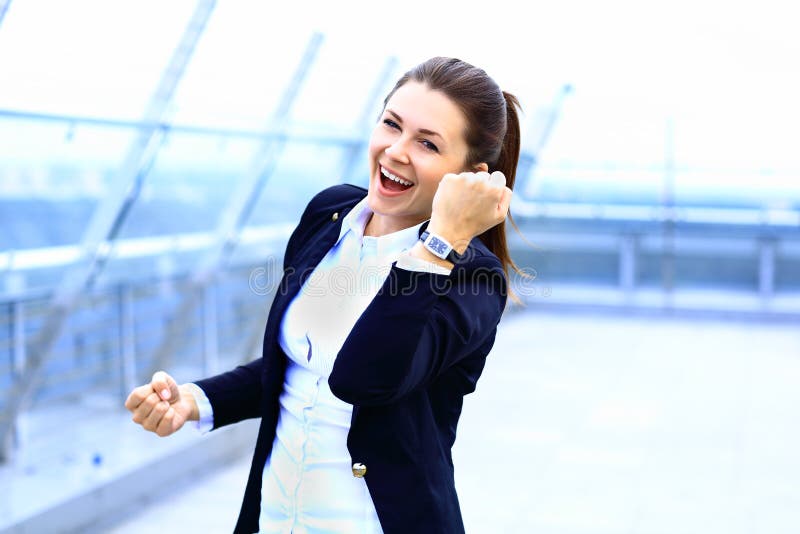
393,177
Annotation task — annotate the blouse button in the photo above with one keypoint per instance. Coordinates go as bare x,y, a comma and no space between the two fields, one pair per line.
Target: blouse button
335,217
359,470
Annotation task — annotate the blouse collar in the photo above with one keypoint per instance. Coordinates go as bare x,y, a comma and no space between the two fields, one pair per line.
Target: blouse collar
394,243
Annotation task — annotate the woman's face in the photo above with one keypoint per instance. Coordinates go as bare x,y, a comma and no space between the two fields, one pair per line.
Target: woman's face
418,139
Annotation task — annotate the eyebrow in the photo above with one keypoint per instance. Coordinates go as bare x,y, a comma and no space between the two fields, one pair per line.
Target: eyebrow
421,130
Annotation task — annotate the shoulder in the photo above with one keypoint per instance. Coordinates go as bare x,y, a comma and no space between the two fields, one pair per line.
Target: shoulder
337,197
318,212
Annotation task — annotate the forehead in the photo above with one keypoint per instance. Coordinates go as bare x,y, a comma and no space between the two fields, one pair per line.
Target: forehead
422,108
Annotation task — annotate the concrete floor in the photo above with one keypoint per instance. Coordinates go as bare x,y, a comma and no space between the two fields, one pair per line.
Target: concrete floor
592,424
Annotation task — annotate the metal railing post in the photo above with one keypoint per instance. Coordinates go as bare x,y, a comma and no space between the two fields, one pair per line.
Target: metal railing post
627,265
19,349
766,270
10,441
210,330
127,339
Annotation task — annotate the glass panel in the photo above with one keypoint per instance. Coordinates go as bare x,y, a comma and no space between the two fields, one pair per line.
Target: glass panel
189,185
240,69
597,154
91,57
51,177
339,87
304,169
720,154
174,220
739,158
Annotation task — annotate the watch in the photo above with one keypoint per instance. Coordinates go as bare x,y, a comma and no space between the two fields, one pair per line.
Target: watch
440,247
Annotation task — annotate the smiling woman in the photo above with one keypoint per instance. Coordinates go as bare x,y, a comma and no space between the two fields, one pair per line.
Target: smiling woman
360,385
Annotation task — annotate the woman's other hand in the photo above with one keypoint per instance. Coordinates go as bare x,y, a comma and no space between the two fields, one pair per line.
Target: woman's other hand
162,406
467,204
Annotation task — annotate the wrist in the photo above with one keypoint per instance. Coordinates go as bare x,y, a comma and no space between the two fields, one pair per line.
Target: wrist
188,397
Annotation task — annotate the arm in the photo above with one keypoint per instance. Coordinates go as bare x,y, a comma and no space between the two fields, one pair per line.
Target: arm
418,326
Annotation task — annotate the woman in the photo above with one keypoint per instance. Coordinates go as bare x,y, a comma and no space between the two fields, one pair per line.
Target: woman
387,309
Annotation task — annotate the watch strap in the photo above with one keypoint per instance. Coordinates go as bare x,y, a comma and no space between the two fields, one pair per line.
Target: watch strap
440,247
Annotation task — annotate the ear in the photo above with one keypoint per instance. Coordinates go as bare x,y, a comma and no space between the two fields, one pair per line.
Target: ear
480,167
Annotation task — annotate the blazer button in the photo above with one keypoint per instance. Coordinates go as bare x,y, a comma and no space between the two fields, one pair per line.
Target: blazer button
335,217
359,470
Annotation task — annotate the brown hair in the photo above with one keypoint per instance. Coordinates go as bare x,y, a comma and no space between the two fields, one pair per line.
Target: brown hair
492,128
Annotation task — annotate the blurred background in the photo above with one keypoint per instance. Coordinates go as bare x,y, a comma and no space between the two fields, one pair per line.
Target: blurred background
155,156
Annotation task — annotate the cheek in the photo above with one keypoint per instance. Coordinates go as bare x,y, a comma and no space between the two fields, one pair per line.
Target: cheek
430,184
372,148
378,140
435,173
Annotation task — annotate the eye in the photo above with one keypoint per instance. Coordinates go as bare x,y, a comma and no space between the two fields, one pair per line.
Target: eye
430,146
391,124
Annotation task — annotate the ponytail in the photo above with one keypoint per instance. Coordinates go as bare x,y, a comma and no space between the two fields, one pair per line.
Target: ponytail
509,151
495,238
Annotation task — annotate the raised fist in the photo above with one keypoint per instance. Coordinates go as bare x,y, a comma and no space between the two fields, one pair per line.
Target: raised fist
467,204
162,406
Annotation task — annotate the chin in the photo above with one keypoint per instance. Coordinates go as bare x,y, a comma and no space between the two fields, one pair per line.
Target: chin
375,204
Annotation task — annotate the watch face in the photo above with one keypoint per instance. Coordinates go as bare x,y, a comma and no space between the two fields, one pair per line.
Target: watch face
438,246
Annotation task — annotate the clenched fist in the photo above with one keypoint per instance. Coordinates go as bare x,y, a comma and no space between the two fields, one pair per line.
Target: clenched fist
468,204
162,406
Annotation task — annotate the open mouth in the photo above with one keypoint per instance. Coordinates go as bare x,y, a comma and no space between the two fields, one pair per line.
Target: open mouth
394,183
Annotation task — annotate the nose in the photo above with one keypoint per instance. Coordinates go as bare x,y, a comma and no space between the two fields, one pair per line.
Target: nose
397,151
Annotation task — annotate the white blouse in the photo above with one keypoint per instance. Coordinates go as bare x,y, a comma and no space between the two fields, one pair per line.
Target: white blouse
308,486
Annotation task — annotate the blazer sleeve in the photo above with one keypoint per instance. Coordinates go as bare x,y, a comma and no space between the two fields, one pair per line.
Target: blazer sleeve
235,395
419,325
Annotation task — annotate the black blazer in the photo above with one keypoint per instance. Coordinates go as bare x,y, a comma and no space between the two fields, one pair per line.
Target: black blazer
417,349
